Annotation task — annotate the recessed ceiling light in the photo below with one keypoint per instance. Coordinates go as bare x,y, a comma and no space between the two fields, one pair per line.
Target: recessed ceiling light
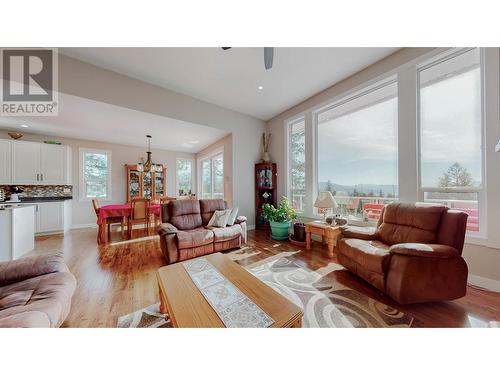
24,126
261,87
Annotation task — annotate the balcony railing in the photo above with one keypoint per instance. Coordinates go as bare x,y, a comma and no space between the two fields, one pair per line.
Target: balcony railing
367,209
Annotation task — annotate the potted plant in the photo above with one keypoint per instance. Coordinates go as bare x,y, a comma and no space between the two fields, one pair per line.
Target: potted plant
279,218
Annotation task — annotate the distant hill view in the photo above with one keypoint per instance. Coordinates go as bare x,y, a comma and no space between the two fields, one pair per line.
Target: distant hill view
374,190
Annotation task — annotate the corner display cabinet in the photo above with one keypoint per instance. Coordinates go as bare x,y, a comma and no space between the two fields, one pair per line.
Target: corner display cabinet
265,191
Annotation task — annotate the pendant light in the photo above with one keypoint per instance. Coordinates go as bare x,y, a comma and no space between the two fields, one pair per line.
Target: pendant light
149,166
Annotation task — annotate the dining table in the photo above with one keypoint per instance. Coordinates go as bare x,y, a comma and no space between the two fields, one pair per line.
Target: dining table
118,210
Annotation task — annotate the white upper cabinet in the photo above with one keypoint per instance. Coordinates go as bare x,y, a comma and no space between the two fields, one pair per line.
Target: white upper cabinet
32,163
53,164
5,161
25,162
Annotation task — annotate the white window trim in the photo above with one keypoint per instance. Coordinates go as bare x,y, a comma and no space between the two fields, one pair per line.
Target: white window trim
360,91
471,237
210,155
81,187
193,182
288,128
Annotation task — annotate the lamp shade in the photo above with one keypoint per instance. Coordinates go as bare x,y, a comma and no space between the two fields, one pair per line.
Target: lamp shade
325,199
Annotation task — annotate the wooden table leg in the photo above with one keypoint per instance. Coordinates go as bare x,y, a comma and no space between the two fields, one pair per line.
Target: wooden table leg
331,245
104,231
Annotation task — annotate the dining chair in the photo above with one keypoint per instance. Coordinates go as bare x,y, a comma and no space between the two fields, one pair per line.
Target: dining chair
109,221
140,213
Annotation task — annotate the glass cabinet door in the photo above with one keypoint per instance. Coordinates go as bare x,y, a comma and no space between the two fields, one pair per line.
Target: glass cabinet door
134,185
147,185
159,188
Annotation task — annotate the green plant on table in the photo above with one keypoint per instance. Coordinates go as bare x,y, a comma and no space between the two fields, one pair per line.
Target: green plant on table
282,214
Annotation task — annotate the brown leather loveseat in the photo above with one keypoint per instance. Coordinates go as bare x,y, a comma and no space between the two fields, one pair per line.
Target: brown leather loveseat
184,233
413,255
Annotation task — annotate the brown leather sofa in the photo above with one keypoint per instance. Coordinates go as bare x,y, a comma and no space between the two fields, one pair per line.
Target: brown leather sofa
35,291
413,255
184,233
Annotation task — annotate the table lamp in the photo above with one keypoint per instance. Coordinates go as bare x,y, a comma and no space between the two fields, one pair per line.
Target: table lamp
326,200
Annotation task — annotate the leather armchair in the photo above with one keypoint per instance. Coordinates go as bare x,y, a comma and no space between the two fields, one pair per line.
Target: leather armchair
413,255
35,291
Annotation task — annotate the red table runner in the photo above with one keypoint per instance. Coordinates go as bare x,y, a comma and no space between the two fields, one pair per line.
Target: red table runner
121,210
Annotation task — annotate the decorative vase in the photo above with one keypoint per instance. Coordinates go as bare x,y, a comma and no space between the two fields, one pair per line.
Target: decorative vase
266,157
279,231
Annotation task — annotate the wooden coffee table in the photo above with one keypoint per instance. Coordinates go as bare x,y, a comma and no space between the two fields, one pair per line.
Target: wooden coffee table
328,233
188,308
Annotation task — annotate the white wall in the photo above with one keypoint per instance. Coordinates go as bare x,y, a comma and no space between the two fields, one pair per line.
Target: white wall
88,81
83,213
483,256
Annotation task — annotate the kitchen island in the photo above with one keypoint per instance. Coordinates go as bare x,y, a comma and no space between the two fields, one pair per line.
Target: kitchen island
17,231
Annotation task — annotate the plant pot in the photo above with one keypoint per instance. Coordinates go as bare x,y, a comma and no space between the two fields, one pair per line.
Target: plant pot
279,231
299,232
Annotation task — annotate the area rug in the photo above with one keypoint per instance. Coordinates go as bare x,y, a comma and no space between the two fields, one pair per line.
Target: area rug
325,302
243,253
149,317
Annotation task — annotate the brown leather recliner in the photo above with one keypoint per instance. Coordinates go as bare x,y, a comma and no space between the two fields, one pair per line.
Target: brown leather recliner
414,254
184,233
35,291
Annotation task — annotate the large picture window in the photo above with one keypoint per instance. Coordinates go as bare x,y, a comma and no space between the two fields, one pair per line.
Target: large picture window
451,133
357,157
211,172
297,160
95,174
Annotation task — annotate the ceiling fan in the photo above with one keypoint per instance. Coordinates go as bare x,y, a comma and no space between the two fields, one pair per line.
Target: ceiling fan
268,56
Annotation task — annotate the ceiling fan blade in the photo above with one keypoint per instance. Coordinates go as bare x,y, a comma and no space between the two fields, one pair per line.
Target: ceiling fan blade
226,48
268,57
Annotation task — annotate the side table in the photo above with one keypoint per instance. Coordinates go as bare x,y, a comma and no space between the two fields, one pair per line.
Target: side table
326,231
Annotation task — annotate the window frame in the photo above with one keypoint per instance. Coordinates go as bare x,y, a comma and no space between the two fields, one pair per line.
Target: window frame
356,93
193,182
82,189
480,190
210,156
288,129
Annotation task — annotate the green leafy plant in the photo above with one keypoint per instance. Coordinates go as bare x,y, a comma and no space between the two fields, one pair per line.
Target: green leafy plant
282,214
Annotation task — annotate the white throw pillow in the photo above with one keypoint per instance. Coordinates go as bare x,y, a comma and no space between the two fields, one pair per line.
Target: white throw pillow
219,219
232,217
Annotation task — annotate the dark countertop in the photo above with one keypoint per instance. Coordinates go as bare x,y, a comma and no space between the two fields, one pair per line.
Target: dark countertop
40,199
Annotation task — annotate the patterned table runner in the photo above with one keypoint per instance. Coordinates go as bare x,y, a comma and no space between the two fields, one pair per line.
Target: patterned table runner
234,308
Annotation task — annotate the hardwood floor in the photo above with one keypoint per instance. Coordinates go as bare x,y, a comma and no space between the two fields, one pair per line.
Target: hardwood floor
119,278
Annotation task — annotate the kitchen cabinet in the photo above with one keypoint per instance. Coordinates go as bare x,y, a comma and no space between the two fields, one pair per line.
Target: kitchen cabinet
53,164
53,217
5,161
33,163
25,162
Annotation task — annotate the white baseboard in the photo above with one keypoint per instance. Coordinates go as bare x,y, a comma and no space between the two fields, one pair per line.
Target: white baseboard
484,282
81,226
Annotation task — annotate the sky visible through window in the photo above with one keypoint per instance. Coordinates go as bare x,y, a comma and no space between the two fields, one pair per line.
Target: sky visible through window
451,127
359,150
